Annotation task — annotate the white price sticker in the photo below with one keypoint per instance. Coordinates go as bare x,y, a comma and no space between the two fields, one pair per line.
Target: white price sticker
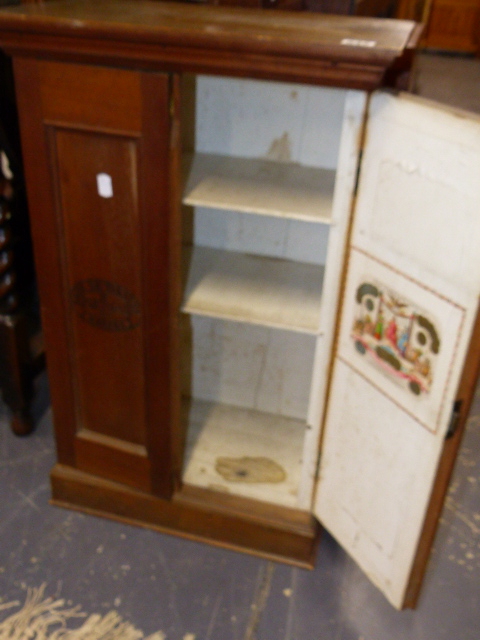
354,42
104,185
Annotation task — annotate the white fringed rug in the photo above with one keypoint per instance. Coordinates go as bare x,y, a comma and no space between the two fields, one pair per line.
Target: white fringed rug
42,618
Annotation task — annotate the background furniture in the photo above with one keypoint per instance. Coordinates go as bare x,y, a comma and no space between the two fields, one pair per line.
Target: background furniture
450,25
379,8
21,345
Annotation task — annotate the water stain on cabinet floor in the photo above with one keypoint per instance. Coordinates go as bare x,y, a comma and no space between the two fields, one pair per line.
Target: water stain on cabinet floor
247,469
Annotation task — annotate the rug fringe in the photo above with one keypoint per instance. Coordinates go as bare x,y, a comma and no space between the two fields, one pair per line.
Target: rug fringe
43,618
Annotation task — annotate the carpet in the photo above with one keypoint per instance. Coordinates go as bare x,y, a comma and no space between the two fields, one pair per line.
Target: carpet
43,618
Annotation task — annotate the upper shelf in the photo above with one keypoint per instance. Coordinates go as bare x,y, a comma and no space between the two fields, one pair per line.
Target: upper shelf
260,186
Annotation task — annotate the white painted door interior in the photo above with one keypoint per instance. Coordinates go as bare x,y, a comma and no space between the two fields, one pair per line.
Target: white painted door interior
409,305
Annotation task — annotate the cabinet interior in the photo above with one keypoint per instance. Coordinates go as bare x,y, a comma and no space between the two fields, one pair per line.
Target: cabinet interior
259,162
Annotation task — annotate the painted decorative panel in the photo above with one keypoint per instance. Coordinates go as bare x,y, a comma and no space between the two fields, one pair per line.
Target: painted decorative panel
396,335
401,336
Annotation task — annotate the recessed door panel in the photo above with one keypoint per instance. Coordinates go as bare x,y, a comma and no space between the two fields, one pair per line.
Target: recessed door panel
103,268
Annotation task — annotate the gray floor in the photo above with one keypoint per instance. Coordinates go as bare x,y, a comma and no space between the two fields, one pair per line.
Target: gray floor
453,80
193,591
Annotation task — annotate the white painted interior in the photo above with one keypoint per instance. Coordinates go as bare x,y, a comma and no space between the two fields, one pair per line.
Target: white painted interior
217,430
272,188
438,170
416,226
376,466
262,235
268,209
256,289
350,140
270,120
248,366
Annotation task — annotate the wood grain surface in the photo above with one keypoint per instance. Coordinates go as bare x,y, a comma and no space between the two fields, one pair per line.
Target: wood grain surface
326,49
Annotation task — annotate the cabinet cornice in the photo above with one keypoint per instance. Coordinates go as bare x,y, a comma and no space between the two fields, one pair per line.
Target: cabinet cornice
318,49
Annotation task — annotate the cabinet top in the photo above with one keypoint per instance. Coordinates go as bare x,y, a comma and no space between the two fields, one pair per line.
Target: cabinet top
323,49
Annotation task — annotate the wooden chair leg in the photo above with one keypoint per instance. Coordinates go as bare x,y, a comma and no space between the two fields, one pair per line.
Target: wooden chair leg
16,379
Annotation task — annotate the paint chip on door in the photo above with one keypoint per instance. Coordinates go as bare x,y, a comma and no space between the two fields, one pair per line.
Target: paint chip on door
104,185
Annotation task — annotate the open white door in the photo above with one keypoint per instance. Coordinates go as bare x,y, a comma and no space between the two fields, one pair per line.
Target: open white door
409,305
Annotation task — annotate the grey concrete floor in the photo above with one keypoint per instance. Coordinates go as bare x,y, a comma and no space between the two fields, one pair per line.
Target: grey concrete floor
163,583
194,591
453,80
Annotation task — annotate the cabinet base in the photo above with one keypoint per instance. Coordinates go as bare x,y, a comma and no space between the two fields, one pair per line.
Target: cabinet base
268,531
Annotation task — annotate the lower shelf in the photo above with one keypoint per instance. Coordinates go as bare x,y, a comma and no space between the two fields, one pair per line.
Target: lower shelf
275,533
244,452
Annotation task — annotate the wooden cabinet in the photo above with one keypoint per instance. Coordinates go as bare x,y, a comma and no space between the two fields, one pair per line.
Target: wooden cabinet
454,25
449,24
247,332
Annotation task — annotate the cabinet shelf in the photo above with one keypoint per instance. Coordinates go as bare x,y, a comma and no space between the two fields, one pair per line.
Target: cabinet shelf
243,451
256,289
265,187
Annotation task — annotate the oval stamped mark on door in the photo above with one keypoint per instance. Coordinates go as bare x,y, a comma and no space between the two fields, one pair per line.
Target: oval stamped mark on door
106,305
251,470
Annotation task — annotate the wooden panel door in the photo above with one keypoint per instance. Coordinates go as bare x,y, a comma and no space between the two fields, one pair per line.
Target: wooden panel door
409,314
454,24
99,166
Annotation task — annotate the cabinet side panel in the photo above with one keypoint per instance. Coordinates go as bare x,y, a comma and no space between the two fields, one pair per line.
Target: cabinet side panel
103,280
47,258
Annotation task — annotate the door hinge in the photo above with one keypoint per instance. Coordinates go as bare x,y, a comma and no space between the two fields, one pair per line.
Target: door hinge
454,418
357,177
317,468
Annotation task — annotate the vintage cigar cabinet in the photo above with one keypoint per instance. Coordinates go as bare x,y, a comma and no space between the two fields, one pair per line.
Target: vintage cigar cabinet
258,270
